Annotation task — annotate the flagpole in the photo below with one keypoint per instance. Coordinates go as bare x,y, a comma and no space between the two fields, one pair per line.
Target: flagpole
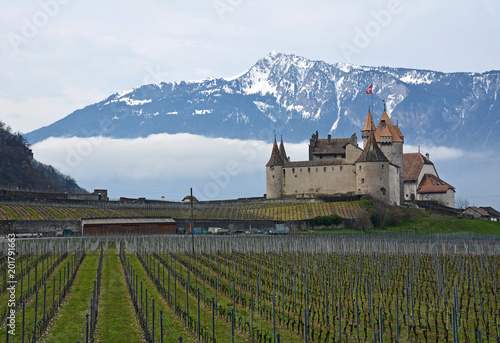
373,110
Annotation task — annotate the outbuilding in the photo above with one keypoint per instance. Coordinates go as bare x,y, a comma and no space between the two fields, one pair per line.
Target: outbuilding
127,226
476,213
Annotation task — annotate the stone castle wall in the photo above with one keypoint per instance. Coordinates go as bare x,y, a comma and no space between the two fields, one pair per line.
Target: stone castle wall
318,180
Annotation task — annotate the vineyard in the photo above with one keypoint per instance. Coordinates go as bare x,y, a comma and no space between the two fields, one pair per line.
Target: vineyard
329,288
233,211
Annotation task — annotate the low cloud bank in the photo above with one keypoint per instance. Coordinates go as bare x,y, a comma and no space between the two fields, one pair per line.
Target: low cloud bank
214,164
437,153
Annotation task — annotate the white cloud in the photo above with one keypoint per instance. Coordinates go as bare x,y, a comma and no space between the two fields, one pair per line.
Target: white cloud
437,153
97,161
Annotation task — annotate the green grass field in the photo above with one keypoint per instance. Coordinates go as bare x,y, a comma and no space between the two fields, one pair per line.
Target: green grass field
116,326
428,226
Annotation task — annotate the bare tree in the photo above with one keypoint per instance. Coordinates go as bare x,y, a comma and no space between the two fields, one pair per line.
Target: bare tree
462,203
363,220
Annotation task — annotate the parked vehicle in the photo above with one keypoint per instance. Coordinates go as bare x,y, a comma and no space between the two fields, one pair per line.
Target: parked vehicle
280,229
68,233
218,231
28,235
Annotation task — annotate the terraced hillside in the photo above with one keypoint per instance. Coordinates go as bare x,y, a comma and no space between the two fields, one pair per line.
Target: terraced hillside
233,211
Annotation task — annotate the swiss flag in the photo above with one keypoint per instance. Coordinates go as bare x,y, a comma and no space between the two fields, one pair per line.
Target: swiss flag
369,90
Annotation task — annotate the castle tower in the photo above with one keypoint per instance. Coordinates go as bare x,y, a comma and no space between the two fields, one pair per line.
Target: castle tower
391,140
369,127
373,172
274,173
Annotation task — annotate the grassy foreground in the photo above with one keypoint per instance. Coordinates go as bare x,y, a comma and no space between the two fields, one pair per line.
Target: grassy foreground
68,324
117,320
429,226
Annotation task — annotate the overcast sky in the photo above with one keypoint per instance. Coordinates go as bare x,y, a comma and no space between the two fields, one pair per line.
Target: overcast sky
60,55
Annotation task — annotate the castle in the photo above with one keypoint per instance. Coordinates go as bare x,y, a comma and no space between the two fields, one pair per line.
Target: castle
338,166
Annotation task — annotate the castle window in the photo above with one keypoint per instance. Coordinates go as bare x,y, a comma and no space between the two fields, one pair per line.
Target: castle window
382,166
340,168
283,171
320,157
383,190
362,181
333,168
359,168
293,170
324,169
316,168
308,170
271,167
301,170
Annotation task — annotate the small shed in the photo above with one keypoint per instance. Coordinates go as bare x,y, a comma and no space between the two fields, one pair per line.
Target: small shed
127,226
494,214
476,213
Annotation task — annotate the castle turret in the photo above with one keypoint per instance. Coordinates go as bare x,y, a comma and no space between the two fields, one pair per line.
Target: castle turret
391,140
374,172
274,173
283,155
368,127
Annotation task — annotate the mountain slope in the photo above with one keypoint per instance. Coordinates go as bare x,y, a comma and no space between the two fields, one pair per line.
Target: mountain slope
18,169
295,96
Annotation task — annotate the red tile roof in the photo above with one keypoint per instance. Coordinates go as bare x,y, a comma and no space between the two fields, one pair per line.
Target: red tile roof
394,131
412,165
369,125
385,132
432,184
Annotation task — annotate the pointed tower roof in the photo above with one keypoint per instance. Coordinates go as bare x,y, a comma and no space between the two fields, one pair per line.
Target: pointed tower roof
282,151
275,159
394,131
369,125
385,132
398,132
372,153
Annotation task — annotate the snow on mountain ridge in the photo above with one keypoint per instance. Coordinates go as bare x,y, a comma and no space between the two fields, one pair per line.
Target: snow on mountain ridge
416,78
295,95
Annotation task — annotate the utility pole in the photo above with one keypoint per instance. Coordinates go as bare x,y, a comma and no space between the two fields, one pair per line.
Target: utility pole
192,222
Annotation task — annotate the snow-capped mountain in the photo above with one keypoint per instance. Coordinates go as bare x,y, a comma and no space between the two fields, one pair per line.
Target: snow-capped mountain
295,96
